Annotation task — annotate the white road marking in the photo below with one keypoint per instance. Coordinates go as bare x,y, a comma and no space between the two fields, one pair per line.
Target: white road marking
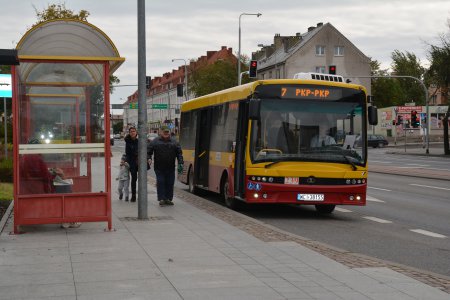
371,187
342,210
431,187
429,233
369,198
418,165
377,220
380,161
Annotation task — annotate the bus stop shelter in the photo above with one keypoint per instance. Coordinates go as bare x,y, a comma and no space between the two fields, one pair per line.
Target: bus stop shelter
62,156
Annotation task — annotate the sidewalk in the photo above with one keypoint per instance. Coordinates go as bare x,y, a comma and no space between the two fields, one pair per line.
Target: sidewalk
196,249
435,150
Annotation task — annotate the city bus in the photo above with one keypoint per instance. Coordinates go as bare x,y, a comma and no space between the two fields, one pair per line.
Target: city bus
287,141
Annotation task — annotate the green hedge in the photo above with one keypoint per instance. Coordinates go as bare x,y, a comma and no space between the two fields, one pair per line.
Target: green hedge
6,170
6,192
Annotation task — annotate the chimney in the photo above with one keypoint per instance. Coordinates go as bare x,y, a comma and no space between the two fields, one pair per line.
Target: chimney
319,24
311,28
278,41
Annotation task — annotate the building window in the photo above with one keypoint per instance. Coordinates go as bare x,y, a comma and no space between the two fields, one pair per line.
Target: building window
338,50
320,50
320,69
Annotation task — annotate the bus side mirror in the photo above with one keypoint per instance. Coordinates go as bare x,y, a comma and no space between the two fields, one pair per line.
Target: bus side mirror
373,115
254,109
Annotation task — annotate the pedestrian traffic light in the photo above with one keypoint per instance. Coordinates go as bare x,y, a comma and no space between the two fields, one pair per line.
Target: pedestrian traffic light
414,119
148,82
252,72
332,70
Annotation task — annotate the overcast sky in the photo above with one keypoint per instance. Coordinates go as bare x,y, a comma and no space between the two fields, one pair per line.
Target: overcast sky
188,28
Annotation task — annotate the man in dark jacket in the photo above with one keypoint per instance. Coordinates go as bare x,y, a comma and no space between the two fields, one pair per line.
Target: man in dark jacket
131,152
165,150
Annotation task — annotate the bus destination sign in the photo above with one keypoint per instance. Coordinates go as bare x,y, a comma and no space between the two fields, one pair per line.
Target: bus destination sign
307,92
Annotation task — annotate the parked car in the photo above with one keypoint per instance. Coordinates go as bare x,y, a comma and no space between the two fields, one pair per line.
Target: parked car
151,136
376,140
117,136
373,140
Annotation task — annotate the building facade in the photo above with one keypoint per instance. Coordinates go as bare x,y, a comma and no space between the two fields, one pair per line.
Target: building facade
163,103
316,50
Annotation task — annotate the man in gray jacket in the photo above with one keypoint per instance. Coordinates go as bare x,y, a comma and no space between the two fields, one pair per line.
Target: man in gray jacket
164,151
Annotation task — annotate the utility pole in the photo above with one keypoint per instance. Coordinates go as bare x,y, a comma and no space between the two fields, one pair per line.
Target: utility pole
142,115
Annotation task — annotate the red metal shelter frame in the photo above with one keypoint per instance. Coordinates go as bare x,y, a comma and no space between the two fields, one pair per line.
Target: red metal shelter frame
39,199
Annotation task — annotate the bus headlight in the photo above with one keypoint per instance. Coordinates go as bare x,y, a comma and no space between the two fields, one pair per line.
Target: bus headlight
255,195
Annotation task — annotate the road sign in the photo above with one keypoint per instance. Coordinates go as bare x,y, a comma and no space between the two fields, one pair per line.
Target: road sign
134,105
159,106
116,106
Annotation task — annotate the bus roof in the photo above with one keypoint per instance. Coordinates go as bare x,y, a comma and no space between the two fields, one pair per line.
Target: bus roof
244,91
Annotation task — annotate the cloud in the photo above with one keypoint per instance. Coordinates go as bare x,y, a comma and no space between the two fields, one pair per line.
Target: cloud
187,29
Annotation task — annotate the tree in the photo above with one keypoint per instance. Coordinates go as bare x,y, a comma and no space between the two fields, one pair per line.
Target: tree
439,75
118,127
214,77
408,64
59,11
386,91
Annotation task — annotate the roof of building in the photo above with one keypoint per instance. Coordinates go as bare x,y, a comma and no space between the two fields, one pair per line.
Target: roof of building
281,54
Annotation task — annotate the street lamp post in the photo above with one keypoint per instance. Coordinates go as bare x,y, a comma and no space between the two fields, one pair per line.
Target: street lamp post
239,49
185,76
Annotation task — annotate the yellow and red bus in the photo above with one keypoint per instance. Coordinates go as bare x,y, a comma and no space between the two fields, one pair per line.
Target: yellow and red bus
297,141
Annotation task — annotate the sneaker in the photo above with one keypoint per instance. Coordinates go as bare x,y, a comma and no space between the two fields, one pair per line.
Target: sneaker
169,202
75,225
120,196
126,199
65,225
162,203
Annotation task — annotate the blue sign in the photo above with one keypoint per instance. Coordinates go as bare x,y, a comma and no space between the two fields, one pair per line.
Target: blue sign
5,86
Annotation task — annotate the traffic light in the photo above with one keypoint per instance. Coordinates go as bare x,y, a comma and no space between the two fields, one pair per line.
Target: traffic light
252,72
332,70
399,120
148,82
180,90
414,119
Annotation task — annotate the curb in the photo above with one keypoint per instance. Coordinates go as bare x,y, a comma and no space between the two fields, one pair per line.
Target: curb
5,217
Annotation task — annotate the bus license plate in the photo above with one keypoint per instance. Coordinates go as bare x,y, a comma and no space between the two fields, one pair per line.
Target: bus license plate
310,197
291,180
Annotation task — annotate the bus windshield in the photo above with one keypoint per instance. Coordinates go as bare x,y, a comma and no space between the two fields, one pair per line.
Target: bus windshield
310,130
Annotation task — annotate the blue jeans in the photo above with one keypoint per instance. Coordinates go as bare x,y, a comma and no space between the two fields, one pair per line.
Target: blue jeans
164,184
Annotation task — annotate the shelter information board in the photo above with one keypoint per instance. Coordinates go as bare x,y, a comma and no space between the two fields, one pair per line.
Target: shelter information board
5,86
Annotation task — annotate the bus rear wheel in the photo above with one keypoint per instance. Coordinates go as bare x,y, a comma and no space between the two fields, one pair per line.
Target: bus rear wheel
325,208
230,202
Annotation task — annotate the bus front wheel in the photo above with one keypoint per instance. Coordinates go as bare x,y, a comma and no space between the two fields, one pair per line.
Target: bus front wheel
230,202
325,208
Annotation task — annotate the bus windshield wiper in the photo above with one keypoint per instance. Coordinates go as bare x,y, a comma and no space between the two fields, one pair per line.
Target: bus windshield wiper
350,162
284,160
272,163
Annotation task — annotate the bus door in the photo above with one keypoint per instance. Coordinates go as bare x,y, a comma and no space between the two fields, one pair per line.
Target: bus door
241,142
202,148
